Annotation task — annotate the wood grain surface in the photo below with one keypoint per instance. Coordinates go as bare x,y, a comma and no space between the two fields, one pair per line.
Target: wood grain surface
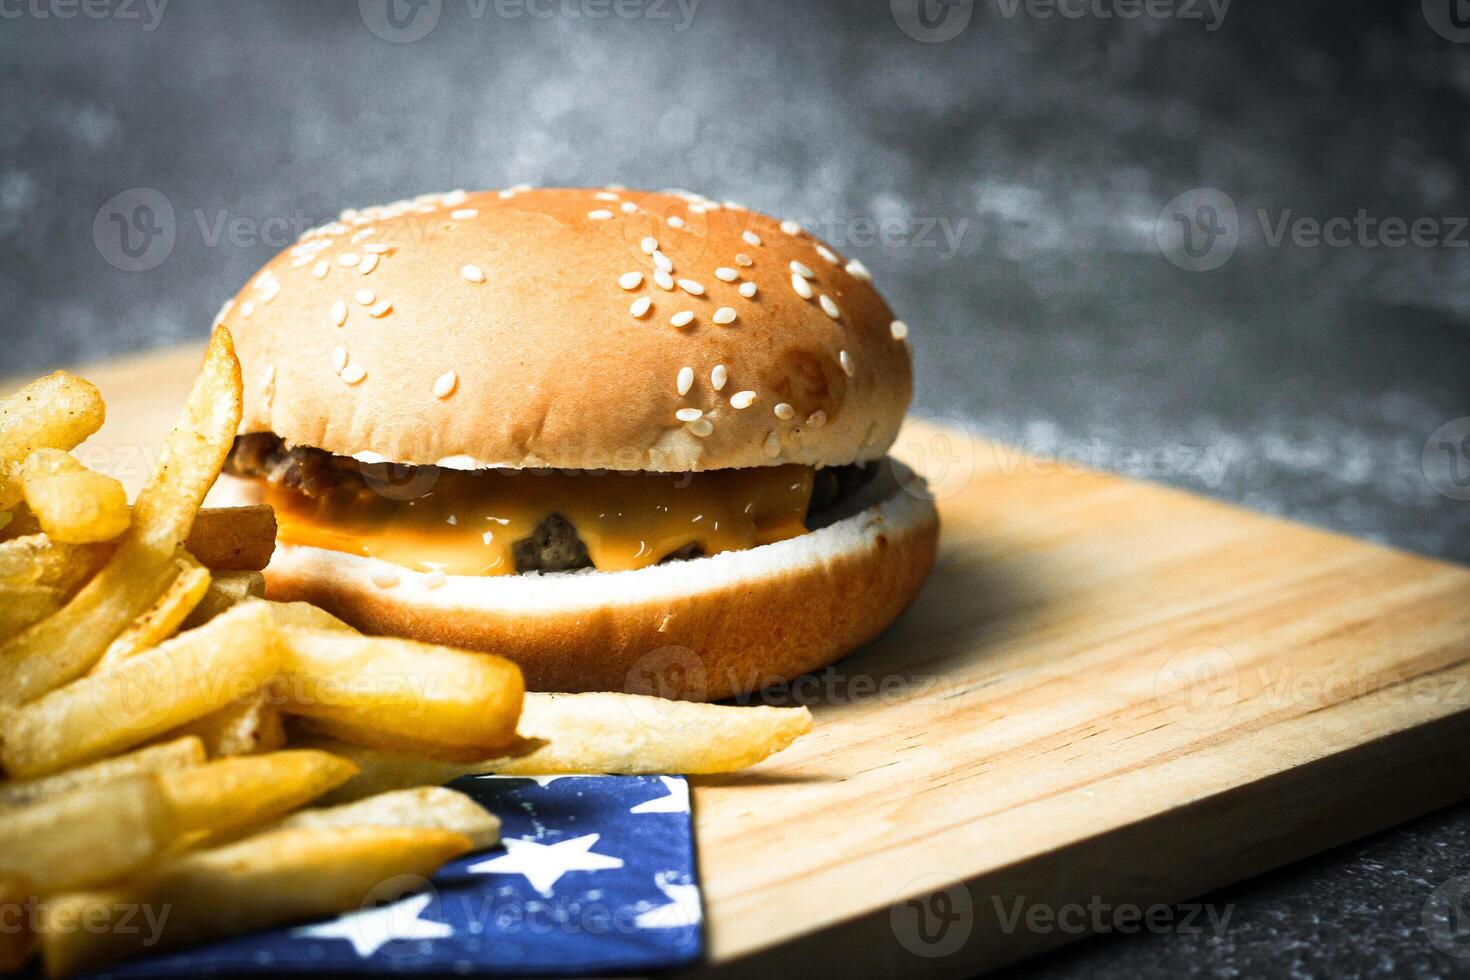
1109,692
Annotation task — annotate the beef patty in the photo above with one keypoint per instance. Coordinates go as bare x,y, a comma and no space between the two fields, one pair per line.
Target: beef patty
554,546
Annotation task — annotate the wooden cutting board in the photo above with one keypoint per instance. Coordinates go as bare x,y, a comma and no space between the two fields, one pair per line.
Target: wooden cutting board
1109,692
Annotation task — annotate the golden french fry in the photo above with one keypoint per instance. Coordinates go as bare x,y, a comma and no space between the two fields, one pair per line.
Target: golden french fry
383,770
35,559
265,880
17,941
226,589
66,645
635,735
182,679
58,411
164,619
307,615
180,753
88,836
21,606
73,504
250,725
229,796
234,539
395,693
437,807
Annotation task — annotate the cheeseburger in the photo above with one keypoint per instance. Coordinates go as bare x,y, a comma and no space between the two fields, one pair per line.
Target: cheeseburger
630,440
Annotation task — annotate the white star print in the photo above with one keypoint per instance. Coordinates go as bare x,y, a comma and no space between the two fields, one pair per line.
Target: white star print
682,910
371,929
543,864
676,802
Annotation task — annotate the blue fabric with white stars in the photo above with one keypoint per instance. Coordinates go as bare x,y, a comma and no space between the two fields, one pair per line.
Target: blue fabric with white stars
593,875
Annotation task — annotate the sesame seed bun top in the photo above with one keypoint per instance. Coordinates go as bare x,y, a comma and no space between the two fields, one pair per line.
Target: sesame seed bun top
576,328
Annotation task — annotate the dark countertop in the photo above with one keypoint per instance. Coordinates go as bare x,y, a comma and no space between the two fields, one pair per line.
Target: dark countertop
1007,186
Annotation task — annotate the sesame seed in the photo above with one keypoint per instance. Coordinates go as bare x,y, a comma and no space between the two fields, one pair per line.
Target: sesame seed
685,380
898,329
649,245
454,197
353,373
691,287
802,287
829,307
828,254
675,221
718,376
817,419
845,359
726,274
802,270
747,289
772,445
784,411
663,261
385,578
339,358
348,259
365,297
640,306
505,194
601,214
339,312
688,415
682,319
247,308
742,399
445,384
663,279
472,272
380,309
724,315
742,259
790,227
630,280
463,213
319,270
628,207
268,376
858,271
701,428
368,264
605,196
434,578
751,238
223,312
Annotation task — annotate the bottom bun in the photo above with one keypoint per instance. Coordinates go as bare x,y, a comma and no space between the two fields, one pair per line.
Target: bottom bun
700,630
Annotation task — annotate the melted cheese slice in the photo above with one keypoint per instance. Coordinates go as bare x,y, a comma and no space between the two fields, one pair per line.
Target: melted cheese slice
466,523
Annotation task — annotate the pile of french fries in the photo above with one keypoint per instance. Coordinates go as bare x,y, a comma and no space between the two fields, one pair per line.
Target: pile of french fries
175,743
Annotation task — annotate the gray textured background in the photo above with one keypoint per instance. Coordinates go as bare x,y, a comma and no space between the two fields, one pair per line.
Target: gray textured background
1017,171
